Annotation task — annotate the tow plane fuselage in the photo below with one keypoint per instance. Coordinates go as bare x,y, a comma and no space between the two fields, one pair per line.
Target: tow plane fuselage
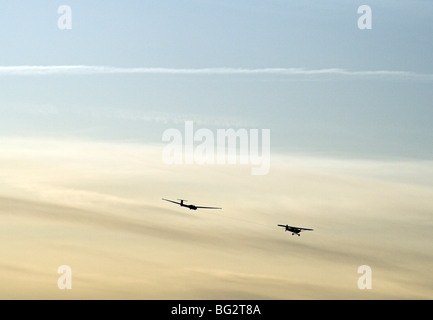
294,230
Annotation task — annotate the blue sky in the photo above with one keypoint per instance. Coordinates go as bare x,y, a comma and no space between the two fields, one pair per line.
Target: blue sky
354,116
219,33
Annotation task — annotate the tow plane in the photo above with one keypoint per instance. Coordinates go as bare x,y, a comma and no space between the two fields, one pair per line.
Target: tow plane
190,206
294,230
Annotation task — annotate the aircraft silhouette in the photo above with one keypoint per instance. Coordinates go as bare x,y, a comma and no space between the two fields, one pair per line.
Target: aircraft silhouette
294,230
190,206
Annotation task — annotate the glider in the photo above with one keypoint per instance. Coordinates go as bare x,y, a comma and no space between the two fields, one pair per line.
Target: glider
190,206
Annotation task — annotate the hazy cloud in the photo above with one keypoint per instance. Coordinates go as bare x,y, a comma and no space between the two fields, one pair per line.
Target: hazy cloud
97,207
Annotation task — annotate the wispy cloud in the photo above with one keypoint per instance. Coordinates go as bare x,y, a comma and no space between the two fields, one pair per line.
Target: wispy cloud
176,119
87,69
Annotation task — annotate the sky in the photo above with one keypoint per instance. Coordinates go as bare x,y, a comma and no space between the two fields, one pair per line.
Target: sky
84,111
366,115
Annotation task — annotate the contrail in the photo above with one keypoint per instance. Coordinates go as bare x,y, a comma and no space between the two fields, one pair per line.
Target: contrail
98,70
